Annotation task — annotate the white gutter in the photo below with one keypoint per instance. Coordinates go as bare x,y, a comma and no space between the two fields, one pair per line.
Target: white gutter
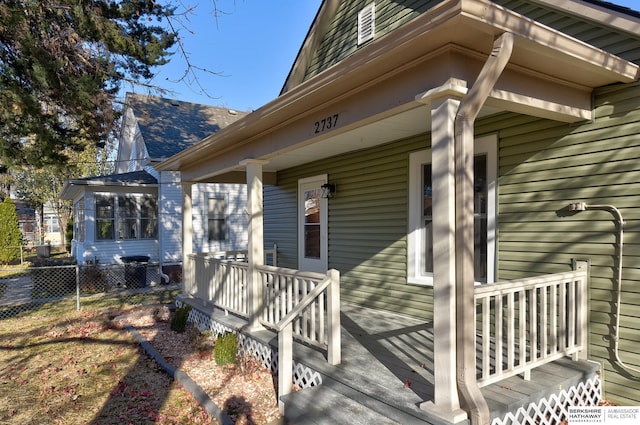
468,111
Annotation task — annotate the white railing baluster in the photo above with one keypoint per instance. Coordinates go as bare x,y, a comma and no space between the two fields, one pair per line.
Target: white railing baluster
522,327
486,337
511,343
562,316
499,326
546,314
571,315
534,325
553,319
544,322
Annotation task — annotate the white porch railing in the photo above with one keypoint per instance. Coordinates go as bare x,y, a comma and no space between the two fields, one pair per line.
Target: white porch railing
221,283
526,323
305,319
295,304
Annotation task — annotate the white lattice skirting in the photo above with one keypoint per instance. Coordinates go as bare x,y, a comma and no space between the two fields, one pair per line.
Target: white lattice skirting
554,409
303,376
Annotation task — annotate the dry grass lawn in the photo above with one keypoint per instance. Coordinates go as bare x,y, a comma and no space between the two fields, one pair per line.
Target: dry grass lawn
60,366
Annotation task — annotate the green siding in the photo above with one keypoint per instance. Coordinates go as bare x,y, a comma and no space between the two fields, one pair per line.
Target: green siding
545,165
341,39
595,33
367,225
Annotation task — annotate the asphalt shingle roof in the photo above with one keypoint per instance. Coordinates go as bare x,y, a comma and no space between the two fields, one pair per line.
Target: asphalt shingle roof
169,126
134,177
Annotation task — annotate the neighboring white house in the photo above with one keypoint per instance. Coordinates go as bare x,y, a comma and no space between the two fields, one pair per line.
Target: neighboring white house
138,211
51,226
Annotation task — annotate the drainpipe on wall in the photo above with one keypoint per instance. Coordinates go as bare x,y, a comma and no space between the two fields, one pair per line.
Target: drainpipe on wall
474,401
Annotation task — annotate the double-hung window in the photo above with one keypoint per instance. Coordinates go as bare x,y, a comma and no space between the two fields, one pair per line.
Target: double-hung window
135,215
420,238
105,217
148,217
127,217
78,221
217,219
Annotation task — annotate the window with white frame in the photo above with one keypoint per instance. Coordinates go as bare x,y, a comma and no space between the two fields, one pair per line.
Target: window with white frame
420,239
135,215
105,217
78,221
217,219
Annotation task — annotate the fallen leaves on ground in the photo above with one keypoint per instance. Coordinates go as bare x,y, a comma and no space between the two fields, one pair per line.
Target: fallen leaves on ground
245,391
66,367
61,366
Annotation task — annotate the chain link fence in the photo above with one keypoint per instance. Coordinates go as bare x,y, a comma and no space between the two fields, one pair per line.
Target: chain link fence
23,289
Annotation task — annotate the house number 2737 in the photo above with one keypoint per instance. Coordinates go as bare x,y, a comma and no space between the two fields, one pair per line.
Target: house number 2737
326,123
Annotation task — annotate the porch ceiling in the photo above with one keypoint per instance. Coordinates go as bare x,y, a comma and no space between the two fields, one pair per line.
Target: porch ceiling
373,92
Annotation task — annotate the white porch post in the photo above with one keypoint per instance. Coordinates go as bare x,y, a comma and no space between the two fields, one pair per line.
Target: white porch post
256,238
188,284
444,103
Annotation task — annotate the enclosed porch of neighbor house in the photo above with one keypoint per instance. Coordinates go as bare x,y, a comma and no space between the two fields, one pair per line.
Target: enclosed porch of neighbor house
393,130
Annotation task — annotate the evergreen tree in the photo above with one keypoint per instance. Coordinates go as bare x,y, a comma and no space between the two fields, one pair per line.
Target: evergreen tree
62,62
10,235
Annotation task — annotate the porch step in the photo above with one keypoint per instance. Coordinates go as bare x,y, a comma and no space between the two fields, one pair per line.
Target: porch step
324,405
354,399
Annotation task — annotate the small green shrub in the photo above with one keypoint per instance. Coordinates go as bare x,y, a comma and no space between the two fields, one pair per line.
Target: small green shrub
180,317
10,234
226,349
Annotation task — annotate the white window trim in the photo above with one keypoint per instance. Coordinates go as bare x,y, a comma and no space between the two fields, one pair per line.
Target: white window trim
367,23
488,145
138,196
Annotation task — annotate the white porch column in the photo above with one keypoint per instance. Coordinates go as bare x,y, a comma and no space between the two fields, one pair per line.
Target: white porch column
256,238
444,102
187,237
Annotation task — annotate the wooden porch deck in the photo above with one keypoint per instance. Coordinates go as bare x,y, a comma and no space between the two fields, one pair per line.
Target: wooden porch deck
387,371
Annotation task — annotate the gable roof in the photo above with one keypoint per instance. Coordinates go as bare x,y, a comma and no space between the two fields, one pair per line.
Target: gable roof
169,126
577,18
377,91
134,179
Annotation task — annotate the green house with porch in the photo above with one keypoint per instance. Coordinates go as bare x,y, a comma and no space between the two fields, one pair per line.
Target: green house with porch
470,164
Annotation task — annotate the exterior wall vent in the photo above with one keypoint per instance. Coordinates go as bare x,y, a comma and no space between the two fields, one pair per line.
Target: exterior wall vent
366,23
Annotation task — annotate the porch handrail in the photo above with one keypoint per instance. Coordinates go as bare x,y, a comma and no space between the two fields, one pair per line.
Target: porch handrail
526,323
295,304
284,328
196,282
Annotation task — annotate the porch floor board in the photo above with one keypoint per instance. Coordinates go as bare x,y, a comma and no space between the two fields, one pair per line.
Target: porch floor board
387,372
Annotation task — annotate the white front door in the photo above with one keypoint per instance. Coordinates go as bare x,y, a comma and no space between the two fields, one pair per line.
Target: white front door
312,225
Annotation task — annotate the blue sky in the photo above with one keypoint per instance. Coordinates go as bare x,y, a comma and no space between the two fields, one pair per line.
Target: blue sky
252,46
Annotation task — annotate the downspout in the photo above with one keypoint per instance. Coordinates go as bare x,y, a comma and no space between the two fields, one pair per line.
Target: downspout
474,401
582,206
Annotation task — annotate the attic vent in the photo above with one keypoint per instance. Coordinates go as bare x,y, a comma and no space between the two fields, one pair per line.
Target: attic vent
366,23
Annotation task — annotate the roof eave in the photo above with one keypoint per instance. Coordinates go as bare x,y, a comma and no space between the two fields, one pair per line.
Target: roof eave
440,24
